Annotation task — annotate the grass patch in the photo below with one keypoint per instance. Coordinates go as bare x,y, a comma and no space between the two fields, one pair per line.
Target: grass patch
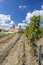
6,35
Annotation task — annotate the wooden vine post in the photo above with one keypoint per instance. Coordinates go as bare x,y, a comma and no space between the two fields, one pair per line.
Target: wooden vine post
39,53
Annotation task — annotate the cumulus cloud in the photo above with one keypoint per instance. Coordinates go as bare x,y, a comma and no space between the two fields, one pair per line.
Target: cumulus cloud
22,7
35,12
42,7
29,15
12,22
23,21
4,18
5,21
23,25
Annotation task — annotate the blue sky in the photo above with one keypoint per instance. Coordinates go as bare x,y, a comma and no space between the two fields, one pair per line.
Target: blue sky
18,9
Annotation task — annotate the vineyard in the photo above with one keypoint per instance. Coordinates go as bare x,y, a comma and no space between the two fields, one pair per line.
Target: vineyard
21,48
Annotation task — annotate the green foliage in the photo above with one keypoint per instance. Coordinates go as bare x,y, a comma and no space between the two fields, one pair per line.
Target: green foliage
41,29
32,31
0,30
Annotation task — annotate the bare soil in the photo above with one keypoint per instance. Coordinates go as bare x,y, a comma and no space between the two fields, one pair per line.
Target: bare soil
20,53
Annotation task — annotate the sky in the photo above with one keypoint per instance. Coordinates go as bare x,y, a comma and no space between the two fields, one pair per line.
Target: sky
19,12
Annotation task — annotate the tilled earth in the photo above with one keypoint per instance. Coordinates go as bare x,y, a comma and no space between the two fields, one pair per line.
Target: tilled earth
41,42
19,54
5,44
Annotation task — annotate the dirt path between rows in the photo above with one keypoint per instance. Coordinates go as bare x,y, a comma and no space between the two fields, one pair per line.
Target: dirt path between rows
15,55
4,45
20,54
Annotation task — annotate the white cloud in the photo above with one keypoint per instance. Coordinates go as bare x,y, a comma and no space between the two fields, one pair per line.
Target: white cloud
5,21
22,7
12,22
42,7
23,21
29,15
23,25
35,12
4,18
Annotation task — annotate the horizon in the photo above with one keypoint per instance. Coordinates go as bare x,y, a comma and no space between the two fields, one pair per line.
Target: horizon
19,12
